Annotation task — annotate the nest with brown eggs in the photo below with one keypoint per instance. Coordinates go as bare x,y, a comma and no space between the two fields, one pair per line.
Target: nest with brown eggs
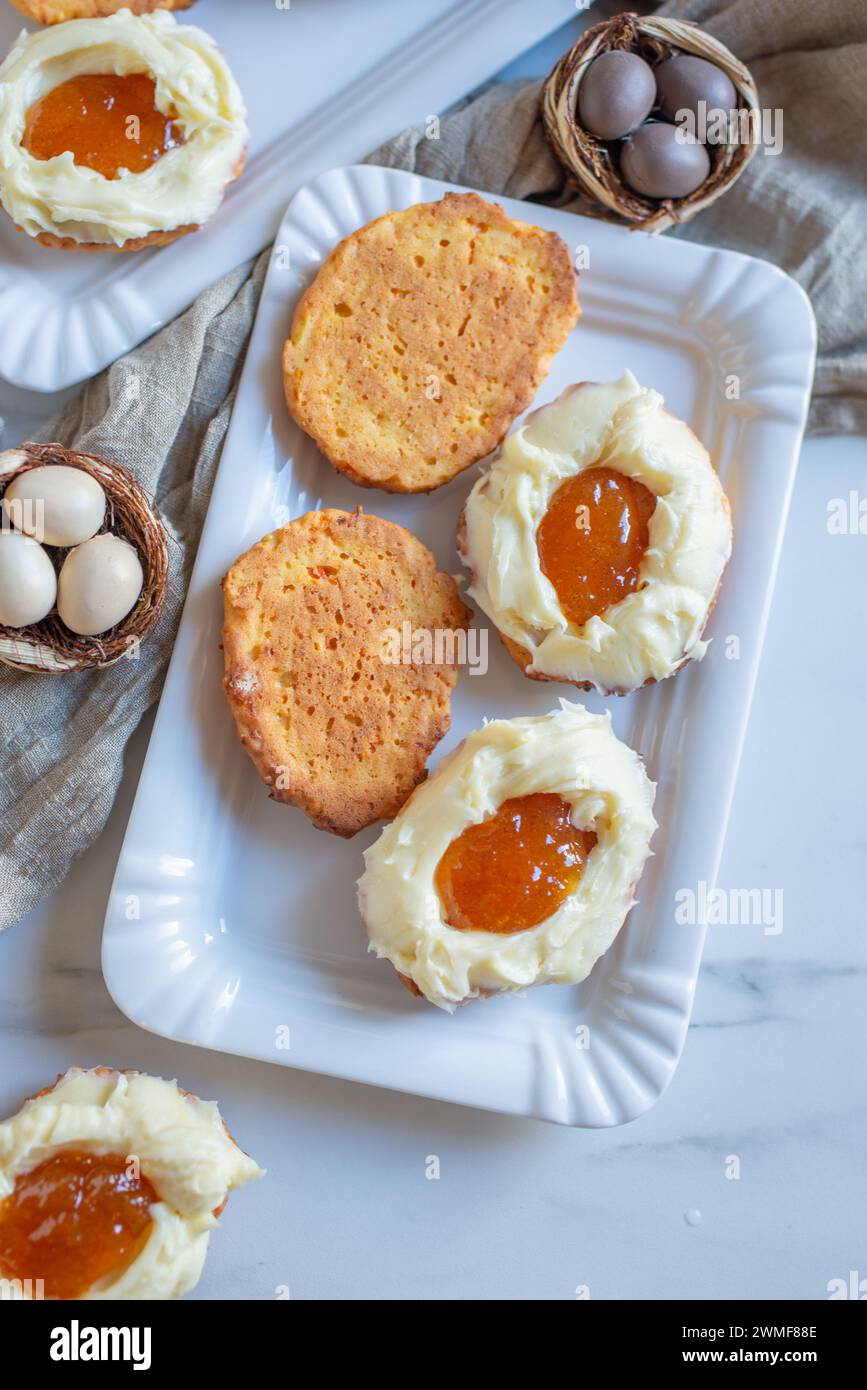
590,163
49,645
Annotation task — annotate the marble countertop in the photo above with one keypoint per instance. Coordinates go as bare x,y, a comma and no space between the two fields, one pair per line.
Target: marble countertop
772,1073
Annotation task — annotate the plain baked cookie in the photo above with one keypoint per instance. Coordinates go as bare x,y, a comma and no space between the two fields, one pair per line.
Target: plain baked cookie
423,336
334,719
58,11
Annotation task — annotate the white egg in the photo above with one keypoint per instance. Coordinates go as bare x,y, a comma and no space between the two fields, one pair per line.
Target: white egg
99,583
28,584
56,504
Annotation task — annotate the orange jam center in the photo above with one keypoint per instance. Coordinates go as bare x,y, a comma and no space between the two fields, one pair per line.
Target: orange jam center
108,122
514,869
592,539
72,1220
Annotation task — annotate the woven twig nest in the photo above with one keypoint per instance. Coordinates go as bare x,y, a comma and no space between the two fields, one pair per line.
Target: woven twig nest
592,164
49,645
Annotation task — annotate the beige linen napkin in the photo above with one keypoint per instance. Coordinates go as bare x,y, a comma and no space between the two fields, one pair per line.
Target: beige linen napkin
163,409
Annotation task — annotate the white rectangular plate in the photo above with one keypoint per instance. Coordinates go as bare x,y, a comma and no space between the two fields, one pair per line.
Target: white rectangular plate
233,923
325,82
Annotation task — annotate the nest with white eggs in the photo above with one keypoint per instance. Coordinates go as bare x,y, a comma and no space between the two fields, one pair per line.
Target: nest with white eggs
49,645
592,165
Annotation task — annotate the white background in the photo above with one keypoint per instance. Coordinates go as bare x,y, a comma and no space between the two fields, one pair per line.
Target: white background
773,1070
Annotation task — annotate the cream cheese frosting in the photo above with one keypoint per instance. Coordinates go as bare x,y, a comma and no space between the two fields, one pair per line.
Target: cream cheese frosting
571,752
181,1144
659,625
193,85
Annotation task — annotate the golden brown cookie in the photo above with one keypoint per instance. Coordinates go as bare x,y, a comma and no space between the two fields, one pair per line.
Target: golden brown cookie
57,11
423,336
319,620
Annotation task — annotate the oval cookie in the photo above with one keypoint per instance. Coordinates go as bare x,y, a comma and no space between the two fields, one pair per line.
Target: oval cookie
328,701
422,338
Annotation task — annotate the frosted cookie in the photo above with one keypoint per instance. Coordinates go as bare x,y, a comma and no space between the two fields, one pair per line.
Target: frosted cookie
423,336
117,133
57,11
335,718
110,1185
598,538
515,864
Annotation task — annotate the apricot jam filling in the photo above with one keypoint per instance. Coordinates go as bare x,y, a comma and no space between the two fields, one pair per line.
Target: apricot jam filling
74,1219
592,539
108,122
514,869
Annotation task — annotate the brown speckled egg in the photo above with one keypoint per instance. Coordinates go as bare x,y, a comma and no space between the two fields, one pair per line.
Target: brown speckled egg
659,163
616,93
683,81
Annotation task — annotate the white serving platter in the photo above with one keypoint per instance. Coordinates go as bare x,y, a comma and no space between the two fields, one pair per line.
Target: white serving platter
232,922
325,82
